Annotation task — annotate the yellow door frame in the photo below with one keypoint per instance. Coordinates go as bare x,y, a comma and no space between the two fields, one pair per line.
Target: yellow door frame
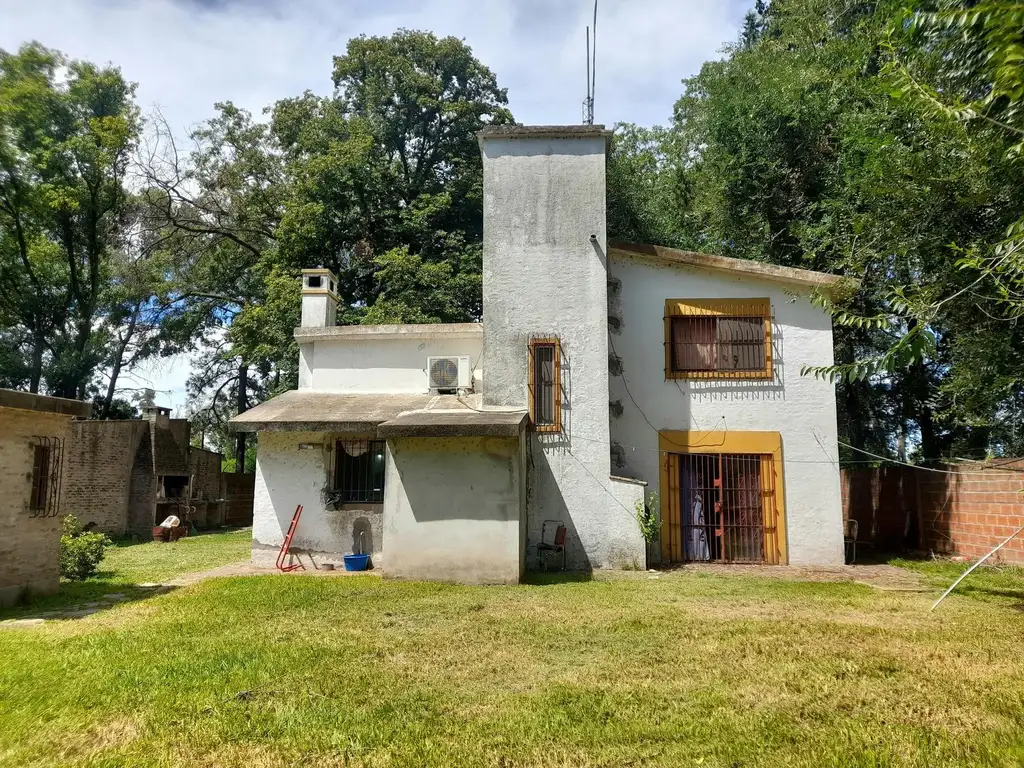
722,441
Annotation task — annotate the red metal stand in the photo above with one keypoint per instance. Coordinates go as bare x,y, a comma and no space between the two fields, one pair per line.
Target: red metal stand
286,547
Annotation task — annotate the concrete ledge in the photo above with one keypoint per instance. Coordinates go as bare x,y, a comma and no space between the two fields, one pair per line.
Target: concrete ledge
542,132
463,423
379,332
27,401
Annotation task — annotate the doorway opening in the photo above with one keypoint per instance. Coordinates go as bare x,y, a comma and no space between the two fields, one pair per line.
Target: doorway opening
722,508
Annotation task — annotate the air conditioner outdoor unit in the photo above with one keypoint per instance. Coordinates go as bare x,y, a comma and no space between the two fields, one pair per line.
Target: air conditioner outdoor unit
450,373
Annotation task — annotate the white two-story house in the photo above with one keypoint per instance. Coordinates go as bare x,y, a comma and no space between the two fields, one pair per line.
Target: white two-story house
602,375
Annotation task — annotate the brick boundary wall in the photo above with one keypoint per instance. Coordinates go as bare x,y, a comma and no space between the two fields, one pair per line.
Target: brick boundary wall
239,490
206,474
965,510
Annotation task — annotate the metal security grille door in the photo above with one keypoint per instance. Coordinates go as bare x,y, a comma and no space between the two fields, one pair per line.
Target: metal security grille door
721,508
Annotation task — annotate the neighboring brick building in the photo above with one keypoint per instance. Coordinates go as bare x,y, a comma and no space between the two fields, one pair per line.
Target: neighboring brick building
127,476
33,439
98,476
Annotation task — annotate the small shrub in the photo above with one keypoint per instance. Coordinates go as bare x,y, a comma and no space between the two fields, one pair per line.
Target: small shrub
81,551
648,519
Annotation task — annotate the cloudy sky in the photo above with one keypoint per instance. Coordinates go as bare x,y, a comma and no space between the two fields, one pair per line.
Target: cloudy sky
187,54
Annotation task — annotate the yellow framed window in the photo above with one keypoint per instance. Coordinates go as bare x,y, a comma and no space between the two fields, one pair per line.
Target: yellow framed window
718,339
545,384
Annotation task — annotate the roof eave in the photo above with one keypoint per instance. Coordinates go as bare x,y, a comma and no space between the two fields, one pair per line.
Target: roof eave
236,426
827,283
382,332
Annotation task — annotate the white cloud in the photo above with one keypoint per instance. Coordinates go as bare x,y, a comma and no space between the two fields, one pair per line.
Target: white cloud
186,55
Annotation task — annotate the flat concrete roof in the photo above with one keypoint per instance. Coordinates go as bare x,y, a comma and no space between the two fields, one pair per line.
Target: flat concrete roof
304,410
822,280
27,401
461,423
380,332
542,131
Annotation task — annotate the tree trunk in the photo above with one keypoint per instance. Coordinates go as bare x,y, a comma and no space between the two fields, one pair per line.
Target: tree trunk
109,397
929,444
853,414
118,362
37,362
242,406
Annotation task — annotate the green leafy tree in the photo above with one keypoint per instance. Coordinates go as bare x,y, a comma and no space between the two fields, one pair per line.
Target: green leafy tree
388,180
212,213
67,129
648,193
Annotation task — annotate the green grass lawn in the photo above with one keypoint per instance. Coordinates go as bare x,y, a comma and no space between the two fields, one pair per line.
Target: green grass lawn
682,670
987,582
129,563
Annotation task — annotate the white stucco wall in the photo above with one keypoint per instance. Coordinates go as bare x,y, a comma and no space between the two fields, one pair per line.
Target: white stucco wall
801,408
380,364
288,475
453,510
319,308
544,276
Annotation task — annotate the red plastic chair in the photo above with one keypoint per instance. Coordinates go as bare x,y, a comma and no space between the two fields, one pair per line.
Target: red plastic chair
557,545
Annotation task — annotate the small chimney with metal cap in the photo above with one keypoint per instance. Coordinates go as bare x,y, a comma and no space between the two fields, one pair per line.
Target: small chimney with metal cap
319,298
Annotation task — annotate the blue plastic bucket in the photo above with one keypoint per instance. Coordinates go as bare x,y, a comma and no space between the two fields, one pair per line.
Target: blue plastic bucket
356,562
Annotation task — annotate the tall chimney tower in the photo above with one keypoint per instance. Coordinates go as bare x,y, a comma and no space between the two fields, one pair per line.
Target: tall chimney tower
319,298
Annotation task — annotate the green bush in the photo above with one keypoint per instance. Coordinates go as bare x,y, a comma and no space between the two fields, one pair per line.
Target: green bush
80,550
648,517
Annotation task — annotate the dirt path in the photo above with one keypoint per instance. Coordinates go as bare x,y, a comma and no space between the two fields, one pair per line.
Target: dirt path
141,591
246,568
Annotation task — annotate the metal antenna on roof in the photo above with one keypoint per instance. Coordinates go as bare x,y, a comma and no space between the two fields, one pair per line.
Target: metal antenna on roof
588,103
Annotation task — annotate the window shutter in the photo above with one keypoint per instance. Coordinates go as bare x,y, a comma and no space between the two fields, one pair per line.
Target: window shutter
668,343
671,517
530,378
558,387
772,556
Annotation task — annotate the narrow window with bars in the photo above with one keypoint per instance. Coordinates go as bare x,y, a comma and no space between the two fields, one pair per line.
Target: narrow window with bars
721,338
545,384
359,471
41,461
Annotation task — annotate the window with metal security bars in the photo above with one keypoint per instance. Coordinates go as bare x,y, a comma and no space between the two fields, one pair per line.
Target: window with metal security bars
721,507
719,338
545,384
358,472
44,493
